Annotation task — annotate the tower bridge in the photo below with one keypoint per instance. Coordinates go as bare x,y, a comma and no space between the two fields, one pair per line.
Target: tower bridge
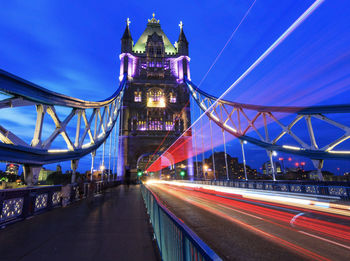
145,125
156,108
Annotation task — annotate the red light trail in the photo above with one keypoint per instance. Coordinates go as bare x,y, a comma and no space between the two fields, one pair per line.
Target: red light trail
274,217
328,227
156,165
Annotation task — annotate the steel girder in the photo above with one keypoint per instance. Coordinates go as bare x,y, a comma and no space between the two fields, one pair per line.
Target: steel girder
231,116
39,152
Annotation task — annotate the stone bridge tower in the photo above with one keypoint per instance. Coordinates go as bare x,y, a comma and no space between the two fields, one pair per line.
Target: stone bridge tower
156,108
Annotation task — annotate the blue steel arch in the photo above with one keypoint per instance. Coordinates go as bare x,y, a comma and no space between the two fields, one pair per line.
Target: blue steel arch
207,102
25,93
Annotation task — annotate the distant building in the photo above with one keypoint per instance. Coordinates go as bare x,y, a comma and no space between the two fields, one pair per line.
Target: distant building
267,169
44,174
58,168
235,169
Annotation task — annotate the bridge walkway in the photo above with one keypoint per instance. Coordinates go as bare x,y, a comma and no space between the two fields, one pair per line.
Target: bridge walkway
113,226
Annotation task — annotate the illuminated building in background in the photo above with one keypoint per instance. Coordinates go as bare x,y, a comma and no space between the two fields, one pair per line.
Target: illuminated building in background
267,170
44,174
156,107
12,168
235,168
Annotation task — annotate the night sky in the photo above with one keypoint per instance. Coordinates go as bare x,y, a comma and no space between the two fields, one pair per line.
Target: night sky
72,47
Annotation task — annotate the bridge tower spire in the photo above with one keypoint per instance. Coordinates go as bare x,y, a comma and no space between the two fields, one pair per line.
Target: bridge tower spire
182,43
127,42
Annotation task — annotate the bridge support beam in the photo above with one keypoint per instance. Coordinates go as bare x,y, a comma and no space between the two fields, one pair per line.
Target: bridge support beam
318,164
74,166
31,174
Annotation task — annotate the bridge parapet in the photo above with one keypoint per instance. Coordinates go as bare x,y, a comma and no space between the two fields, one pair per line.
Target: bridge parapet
331,190
18,204
174,239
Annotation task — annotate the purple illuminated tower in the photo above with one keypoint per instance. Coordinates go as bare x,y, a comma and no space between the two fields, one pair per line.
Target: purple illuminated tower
156,100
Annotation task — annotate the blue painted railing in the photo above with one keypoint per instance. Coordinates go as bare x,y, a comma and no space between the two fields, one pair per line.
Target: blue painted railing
18,204
333,189
174,239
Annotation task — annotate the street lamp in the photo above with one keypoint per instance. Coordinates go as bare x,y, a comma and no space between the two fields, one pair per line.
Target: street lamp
102,168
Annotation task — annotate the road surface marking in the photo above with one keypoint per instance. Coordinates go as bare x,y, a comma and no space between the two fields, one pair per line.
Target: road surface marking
241,212
324,239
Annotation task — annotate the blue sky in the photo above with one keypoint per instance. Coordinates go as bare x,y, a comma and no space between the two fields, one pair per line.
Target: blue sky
72,47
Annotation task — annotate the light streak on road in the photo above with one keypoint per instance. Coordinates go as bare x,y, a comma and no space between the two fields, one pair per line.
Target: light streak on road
311,221
269,236
286,199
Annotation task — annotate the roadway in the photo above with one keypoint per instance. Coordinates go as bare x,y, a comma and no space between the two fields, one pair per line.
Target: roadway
239,228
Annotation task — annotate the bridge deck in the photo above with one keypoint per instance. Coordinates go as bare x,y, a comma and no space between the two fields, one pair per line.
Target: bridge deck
113,226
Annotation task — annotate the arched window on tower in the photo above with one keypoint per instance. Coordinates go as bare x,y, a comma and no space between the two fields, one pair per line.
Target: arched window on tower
137,96
172,97
155,98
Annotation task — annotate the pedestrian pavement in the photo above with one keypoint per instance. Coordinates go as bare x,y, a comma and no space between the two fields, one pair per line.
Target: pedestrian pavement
112,226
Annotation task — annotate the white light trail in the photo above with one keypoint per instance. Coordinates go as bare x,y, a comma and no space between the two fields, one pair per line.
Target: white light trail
306,201
228,41
291,29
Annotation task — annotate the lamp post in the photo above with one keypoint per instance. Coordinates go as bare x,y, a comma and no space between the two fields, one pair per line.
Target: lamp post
205,169
102,168
244,162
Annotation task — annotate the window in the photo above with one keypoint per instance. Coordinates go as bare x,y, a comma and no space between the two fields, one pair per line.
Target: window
155,98
169,125
159,51
137,96
155,124
141,125
172,97
151,50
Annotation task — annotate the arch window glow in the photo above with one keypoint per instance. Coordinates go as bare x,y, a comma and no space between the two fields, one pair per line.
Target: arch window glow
155,98
137,96
172,97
